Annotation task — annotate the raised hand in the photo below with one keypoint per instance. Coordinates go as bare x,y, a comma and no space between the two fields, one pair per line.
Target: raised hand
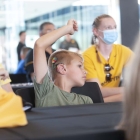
74,26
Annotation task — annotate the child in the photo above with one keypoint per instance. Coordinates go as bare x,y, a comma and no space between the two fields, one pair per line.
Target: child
4,79
65,69
23,54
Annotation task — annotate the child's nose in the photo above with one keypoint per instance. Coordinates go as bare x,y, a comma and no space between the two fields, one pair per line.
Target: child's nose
85,71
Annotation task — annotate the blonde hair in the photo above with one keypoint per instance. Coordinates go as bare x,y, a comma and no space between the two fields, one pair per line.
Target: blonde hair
131,106
97,20
61,56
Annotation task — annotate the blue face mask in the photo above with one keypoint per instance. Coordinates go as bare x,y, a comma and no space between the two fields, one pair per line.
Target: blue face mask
109,36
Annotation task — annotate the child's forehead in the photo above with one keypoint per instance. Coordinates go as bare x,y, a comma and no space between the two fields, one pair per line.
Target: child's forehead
78,59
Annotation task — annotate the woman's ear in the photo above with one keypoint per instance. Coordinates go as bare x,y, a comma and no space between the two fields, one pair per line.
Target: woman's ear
61,68
95,31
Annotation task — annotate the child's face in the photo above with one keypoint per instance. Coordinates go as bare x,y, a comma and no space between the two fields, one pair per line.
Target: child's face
76,72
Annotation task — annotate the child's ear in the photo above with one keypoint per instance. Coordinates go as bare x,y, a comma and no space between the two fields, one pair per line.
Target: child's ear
61,68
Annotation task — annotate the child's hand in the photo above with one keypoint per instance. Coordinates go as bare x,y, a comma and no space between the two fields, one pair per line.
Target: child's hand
3,74
73,24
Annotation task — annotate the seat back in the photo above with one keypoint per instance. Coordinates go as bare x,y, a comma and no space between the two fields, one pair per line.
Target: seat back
90,89
18,78
27,95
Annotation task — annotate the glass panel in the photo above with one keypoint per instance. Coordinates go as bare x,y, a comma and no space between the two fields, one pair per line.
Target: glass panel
84,11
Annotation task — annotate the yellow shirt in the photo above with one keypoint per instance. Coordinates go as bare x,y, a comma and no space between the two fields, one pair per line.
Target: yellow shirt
3,82
94,64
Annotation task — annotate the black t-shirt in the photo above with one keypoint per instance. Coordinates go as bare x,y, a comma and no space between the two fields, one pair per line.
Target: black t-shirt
67,45
19,47
29,61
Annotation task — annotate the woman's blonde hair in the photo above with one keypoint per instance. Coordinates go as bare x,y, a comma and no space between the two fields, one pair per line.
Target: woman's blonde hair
131,105
97,21
60,57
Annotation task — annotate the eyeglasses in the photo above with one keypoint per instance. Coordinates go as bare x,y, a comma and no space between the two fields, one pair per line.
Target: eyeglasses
107,69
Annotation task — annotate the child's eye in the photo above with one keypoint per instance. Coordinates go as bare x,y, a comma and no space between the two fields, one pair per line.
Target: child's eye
79,66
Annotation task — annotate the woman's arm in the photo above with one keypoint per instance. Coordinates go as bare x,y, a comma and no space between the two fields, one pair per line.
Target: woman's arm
109,94
114,98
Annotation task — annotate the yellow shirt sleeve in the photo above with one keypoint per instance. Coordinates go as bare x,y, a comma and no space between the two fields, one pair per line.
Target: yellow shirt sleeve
3,82
11,110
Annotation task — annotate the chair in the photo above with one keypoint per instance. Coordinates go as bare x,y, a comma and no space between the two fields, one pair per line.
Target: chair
18,78
90,89
27,95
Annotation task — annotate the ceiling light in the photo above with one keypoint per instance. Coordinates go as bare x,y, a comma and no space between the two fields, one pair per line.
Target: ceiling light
90,2
38,0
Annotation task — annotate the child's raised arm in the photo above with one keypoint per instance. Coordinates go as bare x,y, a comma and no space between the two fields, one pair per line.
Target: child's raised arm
39,61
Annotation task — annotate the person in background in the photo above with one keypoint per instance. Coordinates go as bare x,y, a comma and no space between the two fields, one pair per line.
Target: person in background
44,28
21,44
104,61
5,80
23,54
131,100
53,81
69,44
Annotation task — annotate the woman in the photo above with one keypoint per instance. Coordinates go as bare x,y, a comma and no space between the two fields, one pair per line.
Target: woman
104,61
131,115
